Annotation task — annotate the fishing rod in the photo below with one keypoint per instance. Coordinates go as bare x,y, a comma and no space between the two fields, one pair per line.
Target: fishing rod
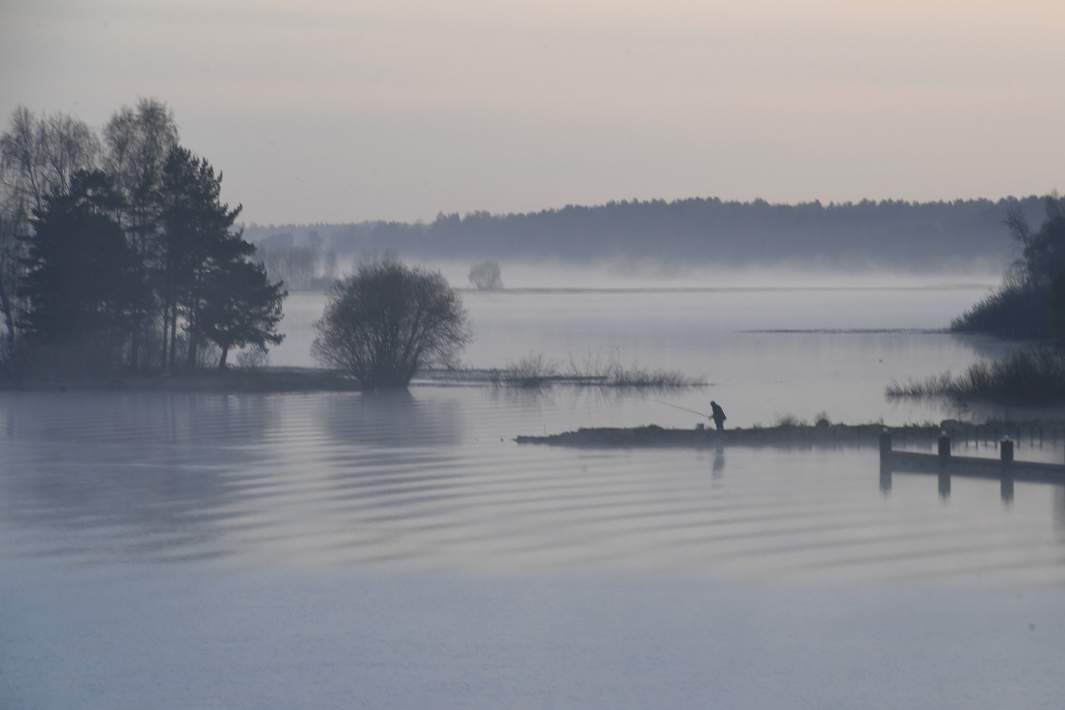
684,409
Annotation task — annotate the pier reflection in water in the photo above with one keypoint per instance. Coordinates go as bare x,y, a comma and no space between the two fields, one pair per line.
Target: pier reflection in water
943,464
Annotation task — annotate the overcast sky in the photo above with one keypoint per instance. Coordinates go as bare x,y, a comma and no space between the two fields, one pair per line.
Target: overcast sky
326,110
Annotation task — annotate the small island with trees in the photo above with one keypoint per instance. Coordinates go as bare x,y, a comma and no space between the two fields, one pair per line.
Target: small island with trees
117,254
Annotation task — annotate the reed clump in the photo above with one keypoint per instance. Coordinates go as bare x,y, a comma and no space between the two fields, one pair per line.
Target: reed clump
535,370
1026,377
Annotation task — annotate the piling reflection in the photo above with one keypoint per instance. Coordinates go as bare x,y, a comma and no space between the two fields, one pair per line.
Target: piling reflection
918,464
885,476
1006,489
944,485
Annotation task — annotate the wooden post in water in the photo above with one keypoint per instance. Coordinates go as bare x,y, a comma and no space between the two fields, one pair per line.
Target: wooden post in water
1006,451
885,462
944,458
944,446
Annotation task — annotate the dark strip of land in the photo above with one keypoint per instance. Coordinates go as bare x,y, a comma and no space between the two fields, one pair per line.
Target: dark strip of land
266,379
795,435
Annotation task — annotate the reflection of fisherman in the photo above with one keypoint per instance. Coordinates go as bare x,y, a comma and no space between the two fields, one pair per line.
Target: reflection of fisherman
718,415
719,461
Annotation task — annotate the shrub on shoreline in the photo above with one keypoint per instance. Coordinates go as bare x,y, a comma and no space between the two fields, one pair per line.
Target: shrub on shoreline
1013,311
1032,302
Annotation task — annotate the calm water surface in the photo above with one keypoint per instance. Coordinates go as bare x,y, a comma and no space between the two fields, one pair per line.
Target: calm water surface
335,550
432,480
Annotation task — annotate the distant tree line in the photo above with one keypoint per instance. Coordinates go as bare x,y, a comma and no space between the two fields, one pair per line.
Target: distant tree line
916,236
116,251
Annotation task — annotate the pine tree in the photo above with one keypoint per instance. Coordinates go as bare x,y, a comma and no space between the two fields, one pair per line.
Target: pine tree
241,307
83,286
206,277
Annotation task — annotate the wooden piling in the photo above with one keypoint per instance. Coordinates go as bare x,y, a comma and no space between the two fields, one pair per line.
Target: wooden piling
944,446
1006,451
885,443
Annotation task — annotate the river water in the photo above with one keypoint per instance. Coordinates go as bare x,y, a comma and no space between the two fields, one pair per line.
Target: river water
338,550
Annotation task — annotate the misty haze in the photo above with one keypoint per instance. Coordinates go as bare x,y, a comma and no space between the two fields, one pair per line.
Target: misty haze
483,355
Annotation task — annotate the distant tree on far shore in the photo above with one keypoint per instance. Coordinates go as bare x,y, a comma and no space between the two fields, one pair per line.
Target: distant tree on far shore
387,321
486,276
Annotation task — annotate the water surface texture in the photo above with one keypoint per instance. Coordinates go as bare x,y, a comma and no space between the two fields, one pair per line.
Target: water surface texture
337,550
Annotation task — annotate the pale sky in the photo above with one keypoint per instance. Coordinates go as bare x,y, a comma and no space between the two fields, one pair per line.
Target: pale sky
323,110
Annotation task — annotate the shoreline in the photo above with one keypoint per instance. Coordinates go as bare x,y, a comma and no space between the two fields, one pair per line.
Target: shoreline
234,380
307,379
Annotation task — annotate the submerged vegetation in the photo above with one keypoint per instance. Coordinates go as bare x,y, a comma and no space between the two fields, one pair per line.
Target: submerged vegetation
536,370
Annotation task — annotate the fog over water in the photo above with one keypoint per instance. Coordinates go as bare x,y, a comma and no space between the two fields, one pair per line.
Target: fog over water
768,343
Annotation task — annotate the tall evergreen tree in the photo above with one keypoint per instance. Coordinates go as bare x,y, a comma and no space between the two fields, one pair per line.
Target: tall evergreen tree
206,276
83,288
241,307
39,155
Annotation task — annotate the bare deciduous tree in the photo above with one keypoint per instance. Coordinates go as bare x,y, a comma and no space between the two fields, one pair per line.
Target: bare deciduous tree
138,142
38,158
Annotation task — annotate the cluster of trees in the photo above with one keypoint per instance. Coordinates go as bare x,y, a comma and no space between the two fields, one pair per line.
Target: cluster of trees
303,266
1031,303
117,252
919,236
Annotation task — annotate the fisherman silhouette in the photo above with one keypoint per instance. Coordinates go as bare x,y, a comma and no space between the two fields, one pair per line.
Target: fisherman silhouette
718,415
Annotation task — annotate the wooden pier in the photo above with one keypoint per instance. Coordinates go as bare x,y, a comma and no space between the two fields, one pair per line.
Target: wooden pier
943,464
